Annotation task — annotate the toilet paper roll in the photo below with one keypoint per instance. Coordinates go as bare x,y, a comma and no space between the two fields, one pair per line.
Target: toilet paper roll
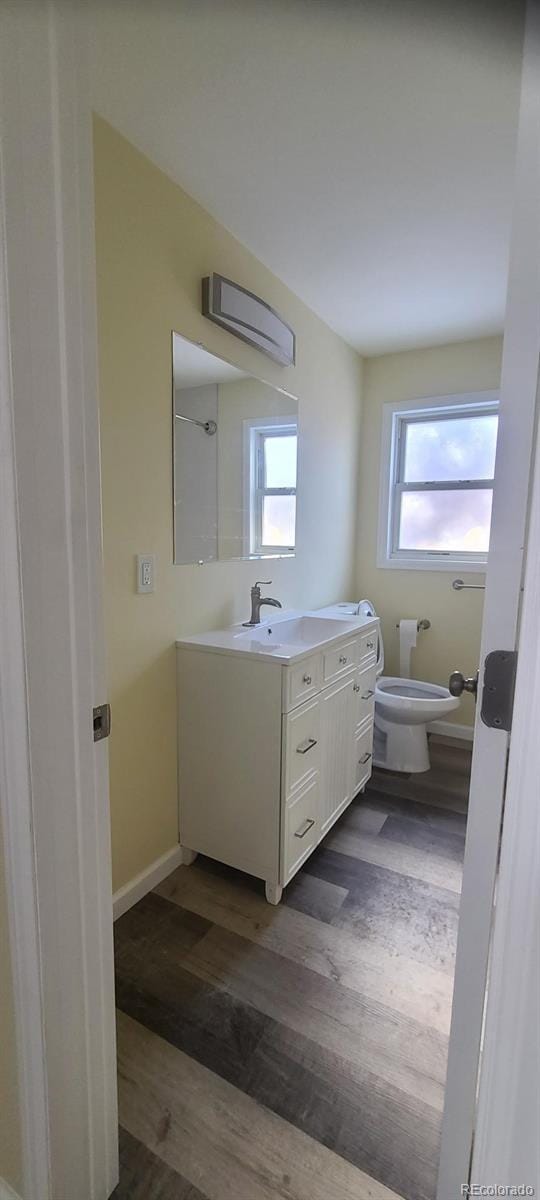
408,633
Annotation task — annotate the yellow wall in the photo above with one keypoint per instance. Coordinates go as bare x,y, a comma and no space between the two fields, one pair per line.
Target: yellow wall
154,244
454,638
10,1135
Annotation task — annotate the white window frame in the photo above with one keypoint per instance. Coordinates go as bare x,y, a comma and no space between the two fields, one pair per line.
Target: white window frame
255,431
395,417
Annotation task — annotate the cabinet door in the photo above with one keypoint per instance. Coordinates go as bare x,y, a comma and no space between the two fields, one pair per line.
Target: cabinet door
363,754
364,695
301,743
337,742
301,828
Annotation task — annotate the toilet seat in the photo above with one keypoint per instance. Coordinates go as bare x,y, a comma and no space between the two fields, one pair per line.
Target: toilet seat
413,698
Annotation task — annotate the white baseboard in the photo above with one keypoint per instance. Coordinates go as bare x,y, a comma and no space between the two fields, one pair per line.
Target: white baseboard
450,729
128,895
6,1192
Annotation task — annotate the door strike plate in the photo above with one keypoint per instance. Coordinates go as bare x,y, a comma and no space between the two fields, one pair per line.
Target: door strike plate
102,722
498,690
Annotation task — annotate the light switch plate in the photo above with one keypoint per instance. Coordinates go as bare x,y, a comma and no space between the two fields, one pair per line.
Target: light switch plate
146,573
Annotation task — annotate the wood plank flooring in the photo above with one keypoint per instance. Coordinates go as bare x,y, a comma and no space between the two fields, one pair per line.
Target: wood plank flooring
299,1051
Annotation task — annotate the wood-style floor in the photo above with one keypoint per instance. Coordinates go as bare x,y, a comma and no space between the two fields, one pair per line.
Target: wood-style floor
298,1052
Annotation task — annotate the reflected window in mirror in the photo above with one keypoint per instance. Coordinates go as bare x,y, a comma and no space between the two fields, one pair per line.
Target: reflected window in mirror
235,452
270,474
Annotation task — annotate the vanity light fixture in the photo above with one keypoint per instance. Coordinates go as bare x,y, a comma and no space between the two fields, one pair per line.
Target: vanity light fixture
249,318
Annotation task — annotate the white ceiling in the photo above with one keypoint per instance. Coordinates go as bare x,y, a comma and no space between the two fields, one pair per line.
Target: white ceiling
362,149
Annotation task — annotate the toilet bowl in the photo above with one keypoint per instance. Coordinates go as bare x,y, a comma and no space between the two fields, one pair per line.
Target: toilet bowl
403,708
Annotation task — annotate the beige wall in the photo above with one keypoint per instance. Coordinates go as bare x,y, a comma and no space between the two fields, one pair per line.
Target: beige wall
154,244
10,1134
454,638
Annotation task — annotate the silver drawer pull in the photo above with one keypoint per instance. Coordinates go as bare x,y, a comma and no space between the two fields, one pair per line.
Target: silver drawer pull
308,823
364,759
366,695
307,745
343,658
306,679
370,645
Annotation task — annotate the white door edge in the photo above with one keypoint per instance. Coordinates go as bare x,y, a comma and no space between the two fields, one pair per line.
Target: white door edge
513,476
16,799
506,1145
62,960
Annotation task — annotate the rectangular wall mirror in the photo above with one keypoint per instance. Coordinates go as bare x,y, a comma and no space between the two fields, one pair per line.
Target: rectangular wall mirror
235,458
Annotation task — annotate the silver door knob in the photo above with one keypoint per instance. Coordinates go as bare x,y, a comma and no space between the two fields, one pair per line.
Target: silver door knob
457,684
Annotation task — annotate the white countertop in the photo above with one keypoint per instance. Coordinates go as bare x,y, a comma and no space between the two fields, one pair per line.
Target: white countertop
304,633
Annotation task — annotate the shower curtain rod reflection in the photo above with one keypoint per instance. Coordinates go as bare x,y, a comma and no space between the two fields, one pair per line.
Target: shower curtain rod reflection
209,427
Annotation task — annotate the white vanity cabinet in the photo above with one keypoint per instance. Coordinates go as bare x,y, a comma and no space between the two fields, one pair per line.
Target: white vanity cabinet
270,754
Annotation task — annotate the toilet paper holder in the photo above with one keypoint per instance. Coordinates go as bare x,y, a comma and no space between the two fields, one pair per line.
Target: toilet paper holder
423,624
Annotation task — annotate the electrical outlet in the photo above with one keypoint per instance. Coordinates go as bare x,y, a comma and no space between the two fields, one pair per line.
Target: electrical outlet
145,573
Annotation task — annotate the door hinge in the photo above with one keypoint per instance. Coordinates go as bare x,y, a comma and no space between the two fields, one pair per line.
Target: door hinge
102,722
498,690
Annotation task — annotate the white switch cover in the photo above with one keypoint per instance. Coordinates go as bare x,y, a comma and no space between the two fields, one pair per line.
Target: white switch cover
145,572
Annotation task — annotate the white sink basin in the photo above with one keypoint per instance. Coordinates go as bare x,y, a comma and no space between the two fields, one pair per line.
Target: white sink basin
284,638
296,631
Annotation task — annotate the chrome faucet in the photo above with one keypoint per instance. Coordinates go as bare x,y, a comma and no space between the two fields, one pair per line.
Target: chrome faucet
257,602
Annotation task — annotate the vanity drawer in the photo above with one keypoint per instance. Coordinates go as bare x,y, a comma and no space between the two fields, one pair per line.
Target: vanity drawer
364,695
363,756
302,733
301,827
368,646
302,681
339,660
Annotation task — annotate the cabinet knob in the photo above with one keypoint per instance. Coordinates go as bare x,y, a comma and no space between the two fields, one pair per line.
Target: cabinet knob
370,645
356,687
343,658
307,679
364,759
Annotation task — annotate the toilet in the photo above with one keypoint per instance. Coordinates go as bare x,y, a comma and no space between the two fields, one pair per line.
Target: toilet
403,709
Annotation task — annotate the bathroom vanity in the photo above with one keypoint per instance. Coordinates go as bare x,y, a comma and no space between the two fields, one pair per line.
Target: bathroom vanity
275,734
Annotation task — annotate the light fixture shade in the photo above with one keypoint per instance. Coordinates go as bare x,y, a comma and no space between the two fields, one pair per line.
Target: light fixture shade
248,317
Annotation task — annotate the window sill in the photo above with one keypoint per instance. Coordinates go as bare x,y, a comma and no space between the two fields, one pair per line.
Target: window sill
431,564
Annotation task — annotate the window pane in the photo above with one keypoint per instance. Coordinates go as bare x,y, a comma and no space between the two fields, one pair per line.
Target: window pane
280,461
457,448
278,519
445,520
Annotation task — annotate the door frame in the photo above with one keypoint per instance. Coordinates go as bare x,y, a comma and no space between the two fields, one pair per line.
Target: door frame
55,806
55,810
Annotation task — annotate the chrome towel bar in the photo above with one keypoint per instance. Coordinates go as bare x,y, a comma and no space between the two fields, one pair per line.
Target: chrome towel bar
458,586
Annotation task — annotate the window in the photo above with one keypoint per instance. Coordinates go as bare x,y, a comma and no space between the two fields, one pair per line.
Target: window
438,461
272,484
